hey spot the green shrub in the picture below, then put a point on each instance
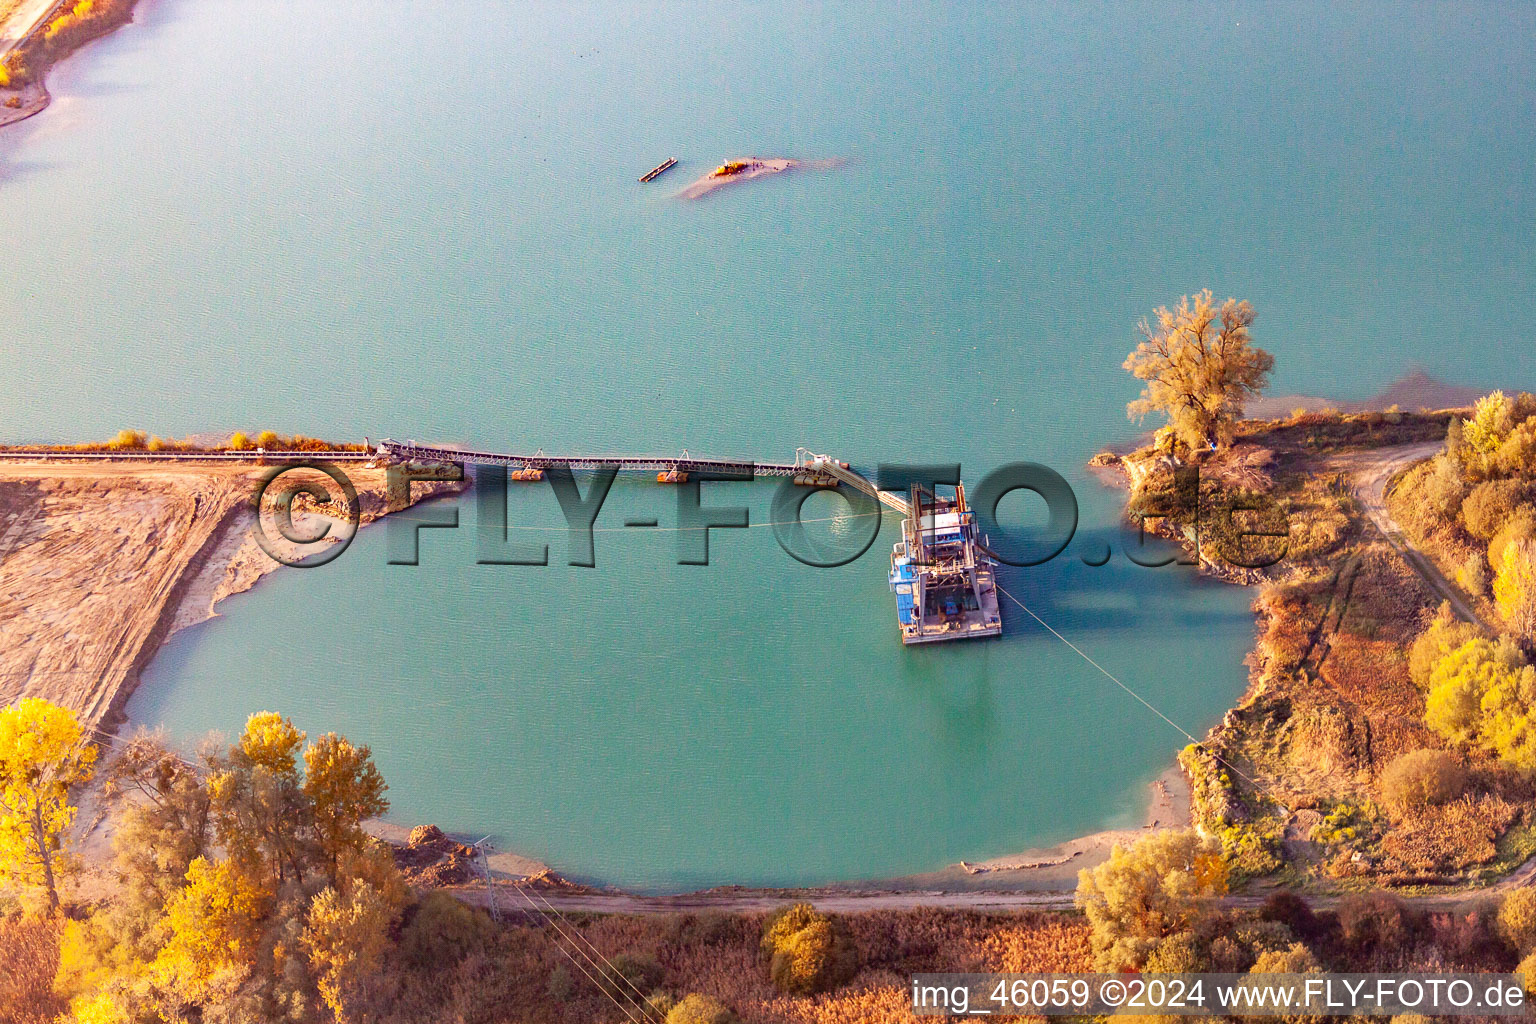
(707, 928)
(1181, 953)
(559, 985)
(1235, 950)
(697, 1009)
(1292, 911)
(1474, 576)
(18, 68)
(1373, 922)
(1492, 419)
(443, 931)
(1348, 826)
(1422, 778)
(1261, 937)
(783, 923)
(807, 951)
(1517, 455)
(1490, 506)
(1157, 887)
(1296, 959)
(1527, 972)
(1441, 489)
(1251, 849)
(1473, 690)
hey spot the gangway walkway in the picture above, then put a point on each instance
(410, 451)
(839, 471)
(808, 467)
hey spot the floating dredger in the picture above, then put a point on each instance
(944, 581)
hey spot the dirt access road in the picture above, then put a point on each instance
(541, 899)
(1372, 472)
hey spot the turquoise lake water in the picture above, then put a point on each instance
(361, 218)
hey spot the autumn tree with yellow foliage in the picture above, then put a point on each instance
(1199, 367)
(1481, 490)
(344, 790)
(1483, 693)
(258, 801)
(43, 754)
(1147, 892)
(249, 885)
(163, 828)
(1514, 588)
(215, 926)
(346, 937)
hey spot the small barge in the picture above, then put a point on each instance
(944, 581)
(660, 169)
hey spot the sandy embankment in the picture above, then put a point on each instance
(101, 563)
(1037, 879)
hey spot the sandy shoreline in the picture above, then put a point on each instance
(1041, 879)
(31, 100)
(1056, 867)
(1040, 871)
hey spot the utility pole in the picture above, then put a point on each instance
(484, 847)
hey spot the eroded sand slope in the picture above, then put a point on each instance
(100, 563)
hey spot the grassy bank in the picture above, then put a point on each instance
(1304, 780)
